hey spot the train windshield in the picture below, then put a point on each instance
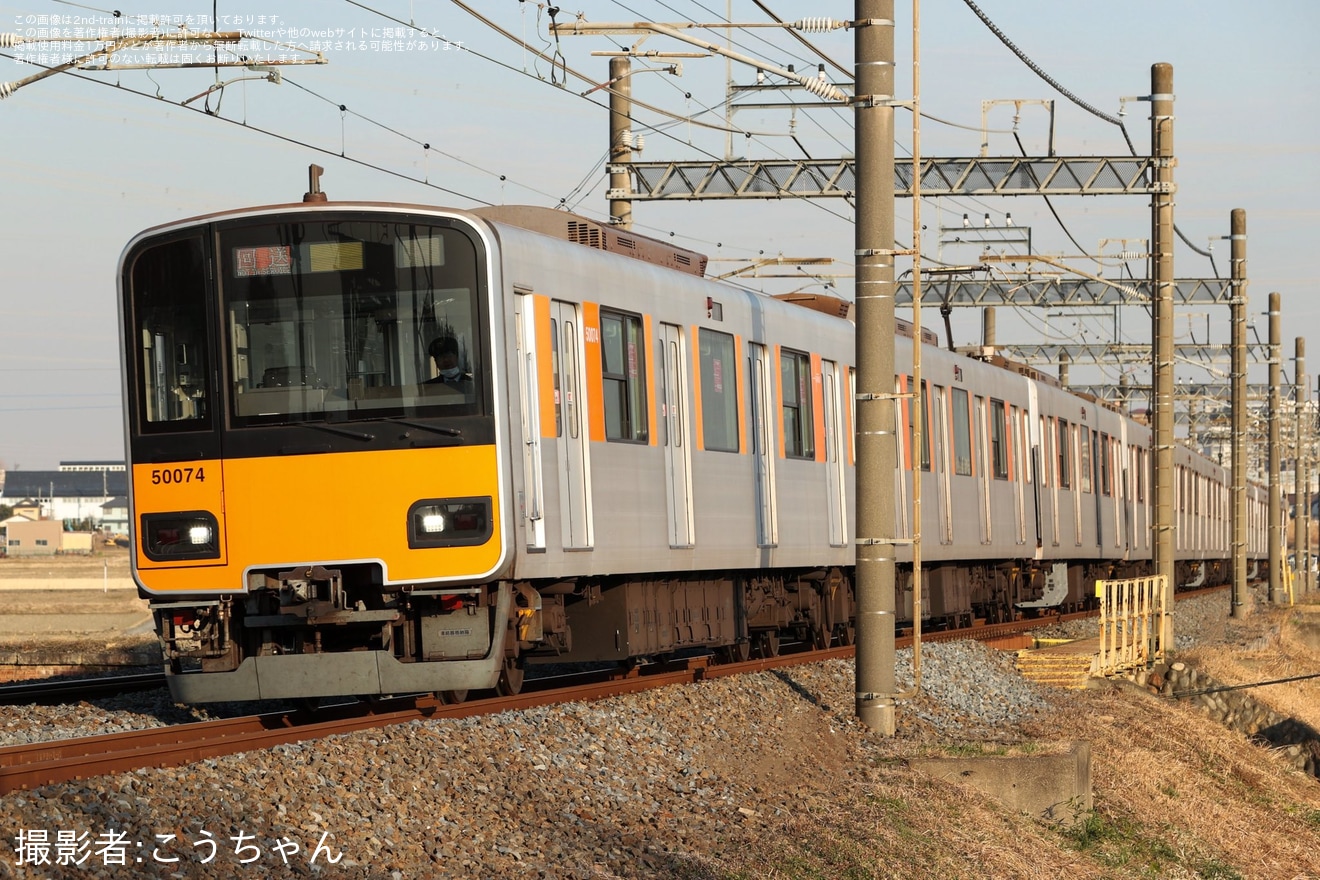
(350, 318)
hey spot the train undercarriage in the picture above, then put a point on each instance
(313, 631)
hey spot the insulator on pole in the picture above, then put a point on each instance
(6, 89)
(9, 41)
(818, 25)
(820, 88)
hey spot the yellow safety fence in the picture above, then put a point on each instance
(1132, 616)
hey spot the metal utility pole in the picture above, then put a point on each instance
(1300, 390)
(1238, 416)
(877, 456)
(620, 193)
(1161, 142)
(1276, 506)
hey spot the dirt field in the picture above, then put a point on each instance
(110, 561)
(59, 600)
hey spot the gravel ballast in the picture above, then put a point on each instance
(674, 782)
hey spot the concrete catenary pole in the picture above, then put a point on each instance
(1276, 505)
(1065, 360)
(1238, 404)
(1161, 142)
(1299, 469)
(1304, 429)
(877, 455)
(988, 328)
(620, 142)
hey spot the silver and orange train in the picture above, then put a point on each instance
(385, 448)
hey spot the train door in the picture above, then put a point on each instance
(763, 448)
(533, 499)
(1082, 473)
(1097, 463)
(677, 435)
(1018, 472)
(943, 493)
(1035, 446)
(834, 477)
(570, 419)
(983, 460)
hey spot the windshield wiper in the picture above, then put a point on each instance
(343, 432)
(434, 429)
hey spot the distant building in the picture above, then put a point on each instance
(41, 538)
(28, 509)
(114, 515)
(75, 492)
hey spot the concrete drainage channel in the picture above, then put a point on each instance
(1235, 709)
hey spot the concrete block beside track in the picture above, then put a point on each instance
(1055, 788)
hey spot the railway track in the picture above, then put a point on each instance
(36, 764)
(66, 690)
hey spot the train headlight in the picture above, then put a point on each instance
(191, 534)
(450, 522)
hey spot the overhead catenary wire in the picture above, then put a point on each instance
(1057, 86)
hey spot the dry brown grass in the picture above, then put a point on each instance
(1282, 650)
(1210, 795)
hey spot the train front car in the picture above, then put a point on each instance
(317, 472)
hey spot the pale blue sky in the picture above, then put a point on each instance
(86, 166)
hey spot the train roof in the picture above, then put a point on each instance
(600, 236)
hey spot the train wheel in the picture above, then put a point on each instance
(738, 652)
(767, 644)
(821, 636)
(846, 633)
(511, 679)
(449, 697)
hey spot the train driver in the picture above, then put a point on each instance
(444, 351)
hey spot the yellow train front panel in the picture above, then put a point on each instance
(280, 512)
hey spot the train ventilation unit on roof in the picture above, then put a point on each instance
(598, 236)
(583, 233)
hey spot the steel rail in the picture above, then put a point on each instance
(66, 689)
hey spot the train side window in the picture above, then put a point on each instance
(998, 442)
(554, 373)
(622, 366)
(1084, 459)
(1065, 462)
(719, 391)
(1105, 452)
(795, 391)
(962, 434)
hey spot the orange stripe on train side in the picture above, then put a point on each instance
(545, 376)
(652, 431)
(818, 407)
(593, 368)
(699, 435)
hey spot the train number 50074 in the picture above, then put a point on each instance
(167, 476)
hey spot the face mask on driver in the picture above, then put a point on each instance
(450, 374)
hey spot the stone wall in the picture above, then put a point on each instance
(1298, 742)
